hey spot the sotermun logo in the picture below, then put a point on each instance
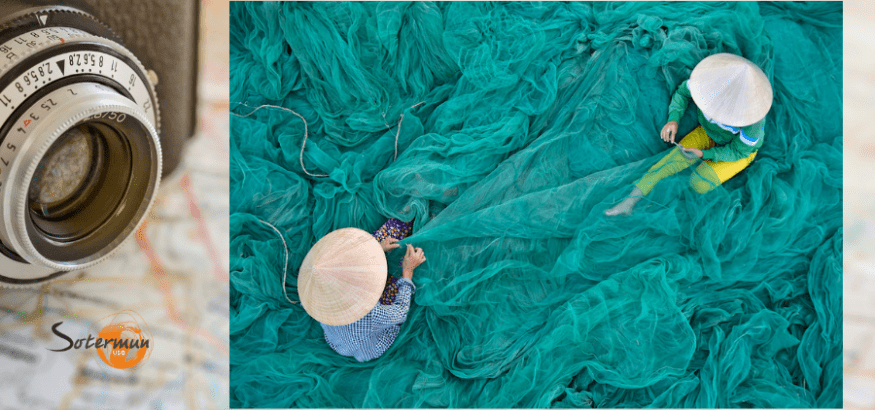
(121, 343)
(119, 347)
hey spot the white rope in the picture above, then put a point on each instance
(305, 131)
(285, 246)
(304, 144)
(286, 260)
(399, 130)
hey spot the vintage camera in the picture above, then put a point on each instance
(82, 141)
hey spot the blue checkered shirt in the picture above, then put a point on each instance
(371, 336)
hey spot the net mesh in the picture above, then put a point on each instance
(535, 119)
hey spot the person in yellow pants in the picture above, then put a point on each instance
(703, 180)
(732, 97)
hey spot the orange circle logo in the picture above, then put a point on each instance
(126, 343)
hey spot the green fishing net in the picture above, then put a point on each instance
(534, 119)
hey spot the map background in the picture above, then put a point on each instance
(859, 207)
(173, 272)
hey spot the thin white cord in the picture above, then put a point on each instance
(397, 134)
(399, 130)
(305, 131)
(286, 261)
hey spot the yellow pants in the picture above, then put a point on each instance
(704, 179)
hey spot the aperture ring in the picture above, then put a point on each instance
(63, 63)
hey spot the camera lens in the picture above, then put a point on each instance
(88, 170)
(80, 157)
(90, 188)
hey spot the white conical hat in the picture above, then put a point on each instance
(731, 89)
(342, 277)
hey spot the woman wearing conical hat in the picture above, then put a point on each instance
(344, 284)
(732, 97)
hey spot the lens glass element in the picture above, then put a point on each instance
(63, 177)
(72, 192)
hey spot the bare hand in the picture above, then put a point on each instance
(669, 131)
(389, 243)
(412, 259)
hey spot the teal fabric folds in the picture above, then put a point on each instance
(534, 119)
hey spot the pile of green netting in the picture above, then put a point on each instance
(536, 118)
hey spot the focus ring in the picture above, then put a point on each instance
(30, 18)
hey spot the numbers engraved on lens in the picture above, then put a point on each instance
(10, 149)
(112, 116)
(26, 122)
(7, 52)
(16, 47)
(51, 34)
(42, 72)
(48, 104)
(23, 40)
(86, 61)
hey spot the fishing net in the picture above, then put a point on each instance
(516, 125)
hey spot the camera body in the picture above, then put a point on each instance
(97, 98)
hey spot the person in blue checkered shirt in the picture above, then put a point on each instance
(370, 336)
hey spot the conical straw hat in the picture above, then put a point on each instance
(342, 277)
(731, 89)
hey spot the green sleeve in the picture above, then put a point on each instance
(679, 102)
(737, 149)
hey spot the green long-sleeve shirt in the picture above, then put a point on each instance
(734, 143)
